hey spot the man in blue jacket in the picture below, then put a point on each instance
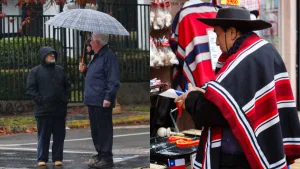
(100, 90)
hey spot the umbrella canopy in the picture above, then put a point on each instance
(88, 20)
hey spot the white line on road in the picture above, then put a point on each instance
(72, 140)
(132, 127)
(12, 168)
(12, 145)
(116, 160)
(34, 150)
(25, 159)
(65, 150)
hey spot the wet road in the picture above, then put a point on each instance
(131, 149)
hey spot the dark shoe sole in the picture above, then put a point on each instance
(92, 164)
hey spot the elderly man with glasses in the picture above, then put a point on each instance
(101, 86)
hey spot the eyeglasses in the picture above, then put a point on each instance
(51, 55)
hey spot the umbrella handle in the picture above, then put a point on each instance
(83, 53)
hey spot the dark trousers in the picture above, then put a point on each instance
(101, 130)
(233, 161)
(47, 126)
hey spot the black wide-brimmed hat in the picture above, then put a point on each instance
(236, 17)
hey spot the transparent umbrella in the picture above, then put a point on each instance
(88, 20)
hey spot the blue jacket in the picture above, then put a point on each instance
(102, 78)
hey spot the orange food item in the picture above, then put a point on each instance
(184, 143)
(173, 139)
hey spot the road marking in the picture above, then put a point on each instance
(25, 159)
(12, 168)
(12, 145)
(72, 140)
(34, 150)
(132, 127)
(8, 153)
(65, 151)
(116, 160)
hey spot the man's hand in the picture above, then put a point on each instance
(106, 103)
(82, 67)
(194, 88)
(89, 49)
(181, 99)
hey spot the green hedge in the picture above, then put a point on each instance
(134, 65)
(17, 56)
(23, 51)
(13, 84)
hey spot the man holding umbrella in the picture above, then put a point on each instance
(101, 86)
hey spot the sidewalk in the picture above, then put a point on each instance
(128, 117)
(27, 124)
(78, 115)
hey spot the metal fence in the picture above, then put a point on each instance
(19, 46)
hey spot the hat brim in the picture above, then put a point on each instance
(249, 25)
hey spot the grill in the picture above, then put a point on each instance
(161, 150)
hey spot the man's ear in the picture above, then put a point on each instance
(233, 32)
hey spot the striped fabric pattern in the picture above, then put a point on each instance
(260, 108)
(189, 41)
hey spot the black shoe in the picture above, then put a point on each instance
(94, 160)
(95, 157)
(104, 163)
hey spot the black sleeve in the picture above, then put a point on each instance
(203, 111)
(84, 74)
(91, 52)
(32, 88)
(67, 88)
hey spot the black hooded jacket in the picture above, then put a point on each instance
(49, 87)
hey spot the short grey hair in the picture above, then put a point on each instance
(102, 38)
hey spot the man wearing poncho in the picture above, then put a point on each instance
(247, 112)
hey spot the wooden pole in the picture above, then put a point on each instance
(83, 53)
(84, 46)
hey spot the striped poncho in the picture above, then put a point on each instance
(253, 92)
(189, 41)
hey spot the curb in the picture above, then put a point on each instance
(74, 124)
(116, 121)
